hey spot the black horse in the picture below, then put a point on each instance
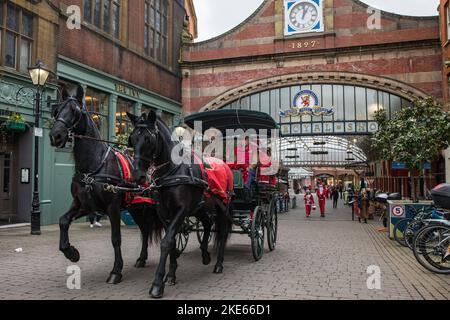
(181, 189)
(96, 166)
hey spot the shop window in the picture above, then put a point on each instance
(123, 124)
(103, 14)
(97, 104)
(16, 36)
(156, 31)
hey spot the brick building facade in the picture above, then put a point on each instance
(399, 57)
(124, 52)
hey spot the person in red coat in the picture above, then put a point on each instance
(309, 202)
(322, 197)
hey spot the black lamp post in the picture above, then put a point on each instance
(39, 76)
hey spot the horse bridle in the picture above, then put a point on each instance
(154, 132)
(78, 110)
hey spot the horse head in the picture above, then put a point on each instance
(144, 140)
(67, 115)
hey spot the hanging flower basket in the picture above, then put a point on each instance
(16, 123)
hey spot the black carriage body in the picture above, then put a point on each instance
(441, 196)
(254, 208)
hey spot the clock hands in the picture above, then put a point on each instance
(305, 11)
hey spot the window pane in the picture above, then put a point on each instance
(97, 104)
(27, 24)
(265, 102)
(164, 50)
(146, 13)
(12, 20)
(10, 50)
(25, 50)
(317, 89)
(106, 15)
(157, 46)
(152, 43)
(349, 92)
(158, 21)
(165, 8)
(122, 122)
(157, 4)
(152, 17)
(338, 98)
(372, 103)
(146, 40)
(396, 103)
(116, 20)
(1, 12)
(327, 100)
(164, 26)
(88, 10)
(361, 104)
(97, 10)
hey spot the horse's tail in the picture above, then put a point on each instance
(223, 224)
(156, 227)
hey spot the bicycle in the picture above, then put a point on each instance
(432, 246)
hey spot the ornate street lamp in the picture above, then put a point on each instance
(39, 76)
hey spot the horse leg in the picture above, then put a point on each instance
(116, 274)
(207, 226)
(65, 221)
(171, 277)
(167, 246)
(138, 214)
(223, 231)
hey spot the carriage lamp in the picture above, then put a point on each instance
(39, 76)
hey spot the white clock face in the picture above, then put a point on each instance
(303, 16)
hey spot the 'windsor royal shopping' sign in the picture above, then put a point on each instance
(306, 103)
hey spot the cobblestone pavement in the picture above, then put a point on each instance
(315, 259)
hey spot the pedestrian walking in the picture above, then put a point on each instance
(309, 203)
(94, 219)
(363, 204)
(335, 198)
(322, 198)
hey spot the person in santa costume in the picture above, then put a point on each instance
(322, 197)
(309, 202)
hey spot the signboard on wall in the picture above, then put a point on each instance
(303, 16)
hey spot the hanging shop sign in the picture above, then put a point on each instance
(306, 103)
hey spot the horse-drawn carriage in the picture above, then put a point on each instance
(254, 208)
(104, 179)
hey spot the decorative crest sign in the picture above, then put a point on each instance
(306, 103)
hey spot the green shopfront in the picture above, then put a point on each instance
(108, 99)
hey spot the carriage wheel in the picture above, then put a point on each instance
(200, 233)
(183, 236)
(272, 225)
(181, 240)
(257, 233)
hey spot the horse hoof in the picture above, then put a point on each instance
(157, 292)
(170, 280)
(140, 264)
(218, 269)
(206, 257)
(72, 254)
(114, 278)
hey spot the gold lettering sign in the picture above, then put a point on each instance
(127, 91)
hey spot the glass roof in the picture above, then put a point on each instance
(325, 151)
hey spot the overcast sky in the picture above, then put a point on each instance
(218, 16)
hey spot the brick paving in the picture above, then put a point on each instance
(315, 259)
